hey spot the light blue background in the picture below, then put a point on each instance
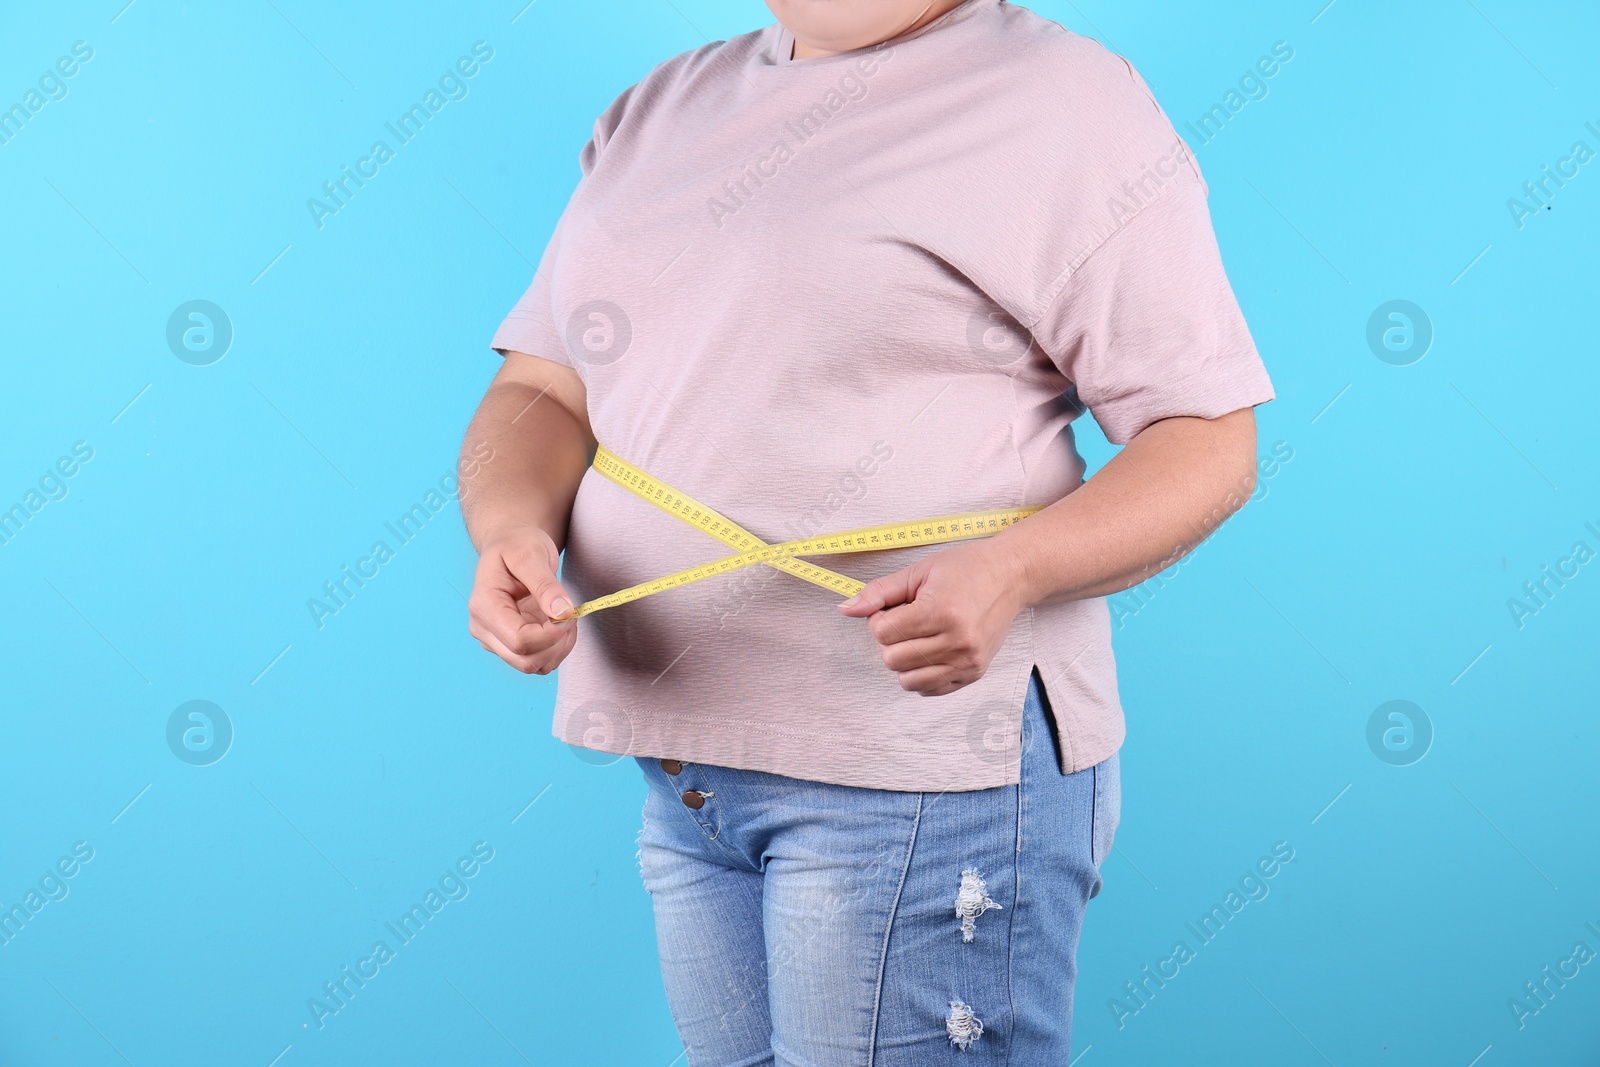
(370, 754)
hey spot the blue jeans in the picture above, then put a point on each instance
(815, 925)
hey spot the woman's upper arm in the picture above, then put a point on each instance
(553, 381)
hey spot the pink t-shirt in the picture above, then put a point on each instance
(863, 288)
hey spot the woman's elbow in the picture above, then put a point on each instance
(1235, 449)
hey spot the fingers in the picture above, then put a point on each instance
(494, 611)
(934, 681)
(519, 611)
(907, 622)
(933, 647)
(542, 662)
(925, 652)
(534, 565)
(897, 588)
(932, 666)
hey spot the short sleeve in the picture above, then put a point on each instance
(530, 326)
(1147, 326)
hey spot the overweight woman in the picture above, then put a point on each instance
(862, 268)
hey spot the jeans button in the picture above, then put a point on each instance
(671, 766)
(694, 799)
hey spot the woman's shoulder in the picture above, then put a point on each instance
(712, 60)
(1030, 38)
(671, 79)
(675, 76)
(1073, 89)
(1048, 59)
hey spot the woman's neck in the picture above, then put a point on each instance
(933, 10)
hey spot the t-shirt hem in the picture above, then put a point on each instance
(855, 762)
(1182, 399)
(832, 773)
(531, 334)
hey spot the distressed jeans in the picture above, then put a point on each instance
(813, 925)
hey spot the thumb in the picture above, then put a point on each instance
(538, 576)
(553, 599)
(897, 588)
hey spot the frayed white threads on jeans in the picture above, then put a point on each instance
(963, 1027)
(972, 900)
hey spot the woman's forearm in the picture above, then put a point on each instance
(540, 452)
(1158, 498)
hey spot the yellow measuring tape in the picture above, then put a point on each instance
(750, 549)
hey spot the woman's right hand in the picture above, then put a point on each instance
(518, 609)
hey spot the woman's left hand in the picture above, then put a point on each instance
(940, 621)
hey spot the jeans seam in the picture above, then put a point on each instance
(1016, 860)
(1094, 817)
(888, 933)
(1011, 923)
